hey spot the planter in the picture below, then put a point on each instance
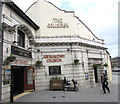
(56, 84)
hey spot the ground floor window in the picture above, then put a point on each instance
(29, 76)
(54, 70)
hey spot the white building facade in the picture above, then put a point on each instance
(63, 44)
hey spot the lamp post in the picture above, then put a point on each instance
(1, 50)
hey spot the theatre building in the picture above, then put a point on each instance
(47, 42)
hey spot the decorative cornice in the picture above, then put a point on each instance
(72, 36)
(68, 44)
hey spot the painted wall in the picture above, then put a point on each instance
(11, 19)
(44, 14)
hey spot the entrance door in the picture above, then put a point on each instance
(29, 78)
(17, 80)
(95, 73)
(21, 80)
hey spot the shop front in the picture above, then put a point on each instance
(22, 79)
(22, 73)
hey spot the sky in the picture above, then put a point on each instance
(101, 16)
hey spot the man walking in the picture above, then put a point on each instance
(105, 83)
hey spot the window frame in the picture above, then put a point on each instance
(54, 71)
(21, 38)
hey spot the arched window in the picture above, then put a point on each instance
(21, 38)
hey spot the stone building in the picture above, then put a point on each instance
(56, 38)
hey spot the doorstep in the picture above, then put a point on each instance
(22, 94)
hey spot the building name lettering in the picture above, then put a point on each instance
(23, 62)
(53, 58)
(57, 23)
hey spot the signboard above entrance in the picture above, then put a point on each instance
(20, 52)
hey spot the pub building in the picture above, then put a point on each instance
(62, 44)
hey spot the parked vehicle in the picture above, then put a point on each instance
(71, 86)
(116, 68)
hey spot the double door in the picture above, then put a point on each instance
(22, 79)
(29, 78)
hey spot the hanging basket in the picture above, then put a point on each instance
(76, 61)
(11, 58)
(105, 65)
(38, 63)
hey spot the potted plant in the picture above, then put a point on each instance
(105, 65)
(38, 63)
(76, 61)
(11, 58)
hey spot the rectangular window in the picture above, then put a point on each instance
(21, 38)
(29, 76)
(54, 70)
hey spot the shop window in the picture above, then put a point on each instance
(6, 76)
(54, 70)
(29, 76)
(21, 38)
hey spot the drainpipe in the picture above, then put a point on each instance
(1, 50)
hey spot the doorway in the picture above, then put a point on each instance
(96, 74)
(22, 79)
(17, 80)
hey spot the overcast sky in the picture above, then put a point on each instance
(101, 16)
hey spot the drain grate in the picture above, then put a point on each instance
(53, 97)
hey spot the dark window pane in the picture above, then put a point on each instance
(21, 38)
(54, 70)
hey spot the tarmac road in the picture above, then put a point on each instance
(83, 95)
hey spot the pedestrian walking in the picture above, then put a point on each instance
(74, 83)
(64, 81)
(105, 83)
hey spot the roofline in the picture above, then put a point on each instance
(15, 8)
(53, 5)
(88, 28)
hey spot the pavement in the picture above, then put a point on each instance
(83, 95)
